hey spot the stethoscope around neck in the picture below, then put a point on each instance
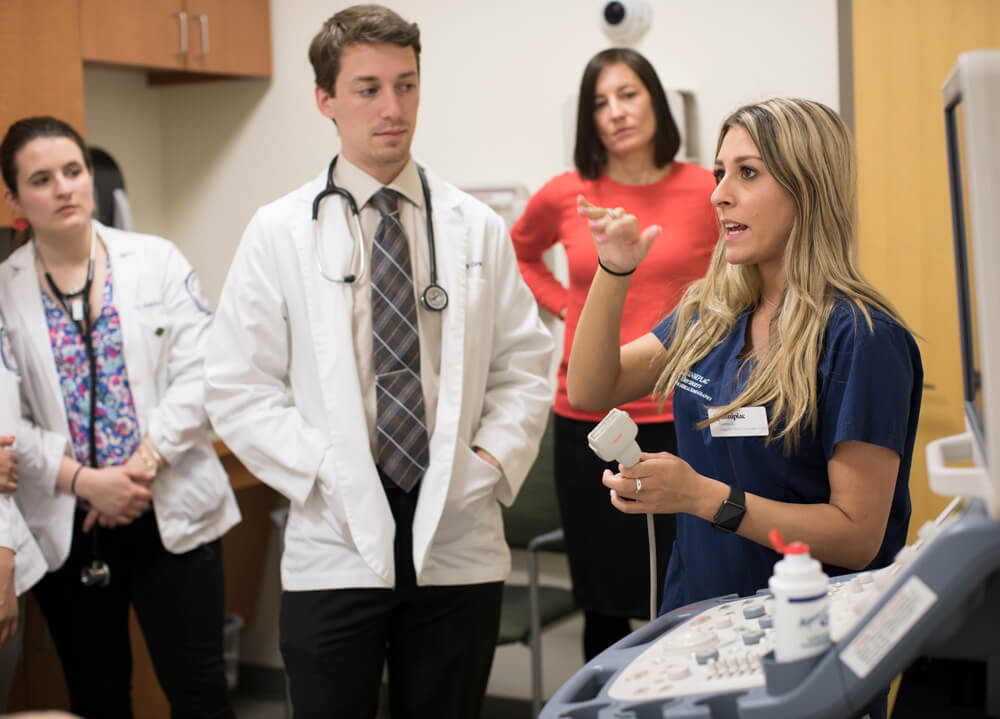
(434, 297)
(98, 572)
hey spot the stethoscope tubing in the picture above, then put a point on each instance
(434, 297)
(85, 328)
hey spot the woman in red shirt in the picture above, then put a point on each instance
(626, 140)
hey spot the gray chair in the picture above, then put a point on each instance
(531, 524)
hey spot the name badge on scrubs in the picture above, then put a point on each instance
(743, 422)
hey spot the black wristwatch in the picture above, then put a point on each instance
(727, 519)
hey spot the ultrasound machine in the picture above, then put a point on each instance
(941, 595)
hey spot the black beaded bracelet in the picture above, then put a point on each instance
(612, 272)
(72, 482)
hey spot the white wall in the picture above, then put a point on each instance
(497, 84)
(123, 117)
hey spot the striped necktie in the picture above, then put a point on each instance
(402, 446)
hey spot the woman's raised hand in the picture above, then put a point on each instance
(620, 245)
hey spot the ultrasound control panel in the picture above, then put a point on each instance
(713, 659)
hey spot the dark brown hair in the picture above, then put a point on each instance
(590, 155)
(358, 25)
(24, 131)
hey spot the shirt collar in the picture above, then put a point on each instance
(363, 186)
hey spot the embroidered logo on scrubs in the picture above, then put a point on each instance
(193, 287)
(7, 354)
(695, 384)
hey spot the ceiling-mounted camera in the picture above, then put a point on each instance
(624, 21)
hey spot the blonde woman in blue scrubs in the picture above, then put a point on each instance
(796, 384)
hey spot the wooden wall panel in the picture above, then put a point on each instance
(903, 51)
(41, 68)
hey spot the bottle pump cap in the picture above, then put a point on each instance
(779, 544)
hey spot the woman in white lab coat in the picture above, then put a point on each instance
(21, 561)
(133, 513)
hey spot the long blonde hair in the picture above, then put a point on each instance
(809, 151)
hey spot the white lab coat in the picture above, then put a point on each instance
(283, 392)
(29, 564)
(164, 320)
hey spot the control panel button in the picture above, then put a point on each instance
(753, 610)
(705, 657)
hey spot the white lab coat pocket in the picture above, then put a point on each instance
(193, 500)
(471, 499)
(196, 485)
(334, 515)
(152, 334)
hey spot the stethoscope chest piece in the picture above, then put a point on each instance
(96, 574)
(434, 297)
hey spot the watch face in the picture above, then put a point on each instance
(729, 516)
(729, 512)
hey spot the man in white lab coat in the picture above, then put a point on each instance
(386, 560)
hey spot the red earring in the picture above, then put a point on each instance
(20, 224)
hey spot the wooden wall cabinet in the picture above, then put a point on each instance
(216, 37)
(40, 68)
(147, 34)
(43, 46)
(230, 37)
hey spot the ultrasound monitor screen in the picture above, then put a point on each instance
(965, 260)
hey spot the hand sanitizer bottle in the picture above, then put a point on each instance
(801, 603)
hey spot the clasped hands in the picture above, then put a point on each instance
(118, 495)
(122, 492)
(666, 485)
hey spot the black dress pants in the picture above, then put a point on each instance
(438, 642)
(178, 600)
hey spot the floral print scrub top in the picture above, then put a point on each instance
(117, 432)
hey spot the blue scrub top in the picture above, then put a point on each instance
(869, 390)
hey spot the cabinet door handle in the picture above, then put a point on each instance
(203, 22)
(182, 23)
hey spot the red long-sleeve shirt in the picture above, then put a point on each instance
(679, 203)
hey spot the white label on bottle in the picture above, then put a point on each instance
(743, 422)
(801, 626)
(814, 622)
(888, 626)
